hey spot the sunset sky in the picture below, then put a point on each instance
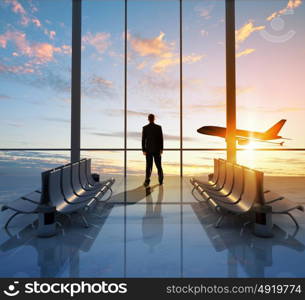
(35, 66)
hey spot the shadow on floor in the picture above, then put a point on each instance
(254, 254)
(53, 254)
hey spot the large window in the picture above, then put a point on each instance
(153, 69)
(35, 73)
(172, 63)
(203, 71)
(102, 74)
(270, 67)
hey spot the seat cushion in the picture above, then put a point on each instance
(22, 206)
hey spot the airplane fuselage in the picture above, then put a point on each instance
(221, 132)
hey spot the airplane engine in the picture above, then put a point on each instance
(243, 142)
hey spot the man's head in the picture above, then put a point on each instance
(151, 118)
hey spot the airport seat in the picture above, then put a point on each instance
(67, 189)
(232, 182)
(280, 205)
(220, 180)
(285, 207)
(213, 178)
(76, 184)
(247, 191)
(228, 184)
(62, 189)
(89, 173)
(249, 198)
(83, 174)
(237, 187)
(28, 204)
(66, 202)
(32, 197)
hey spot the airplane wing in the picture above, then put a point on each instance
(243, 141)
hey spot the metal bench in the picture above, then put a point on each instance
(61, 189)
(66, 202)
(221, 177)
(243, 192)
(86, 181)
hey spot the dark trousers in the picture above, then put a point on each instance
(150, 157)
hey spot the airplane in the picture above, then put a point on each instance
(244, 137)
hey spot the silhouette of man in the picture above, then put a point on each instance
(152, 147)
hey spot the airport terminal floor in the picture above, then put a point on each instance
(157, 232)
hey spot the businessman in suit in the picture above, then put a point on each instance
(152, 147)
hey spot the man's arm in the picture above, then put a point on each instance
(161, 139)
(143, 140)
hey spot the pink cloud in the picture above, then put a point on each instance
(66, 49)
(291, 5)
(52, 34)
(43, 52)
(17, 8)
(18, 38)
(36, 22)
(22, 69)
(100, 41)
(245, 52)
(161, 51)
(246, 31)
(151, 47)
(162, 64)
(40, 53)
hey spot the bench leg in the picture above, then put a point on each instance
(10, 219)
(287, 212)
(86, 224)
(219, 221)
(274, 200)
(293, 219)
(245, 224)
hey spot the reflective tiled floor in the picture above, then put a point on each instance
(158, 232)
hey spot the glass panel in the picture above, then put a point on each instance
(136, 175)
(200, 163)
(106, 163)
(203, 71)
(284, 171)
(276, 163)
(170, 163)
(270, 67)
(153, 68)
(35, 66)
(197, 164)
(20, 171)
(103, 74)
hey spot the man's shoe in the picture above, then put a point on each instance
(146, 183)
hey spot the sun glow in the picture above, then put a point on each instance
(251, 146)
(249, 153)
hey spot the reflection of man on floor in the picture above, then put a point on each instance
(152, 223)
(152, 147)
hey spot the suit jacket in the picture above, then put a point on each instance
(152, 138)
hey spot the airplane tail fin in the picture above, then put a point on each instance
(275, 129)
